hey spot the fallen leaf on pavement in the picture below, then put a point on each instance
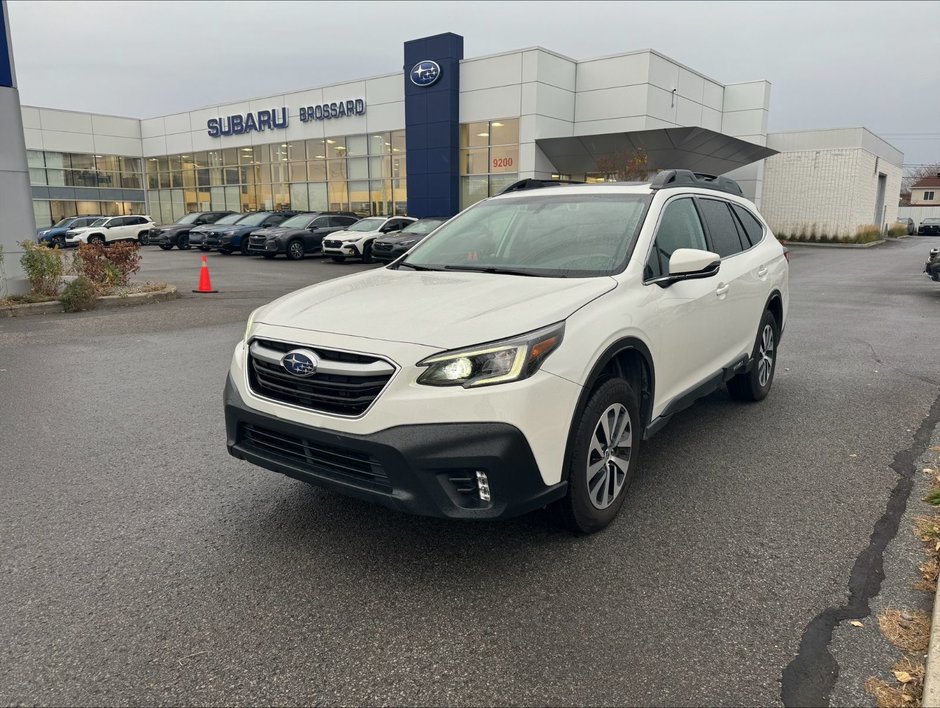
(856, 623)
(903, 676)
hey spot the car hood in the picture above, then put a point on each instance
(171, 228)
(435, 309)
(53, 232)
(272, 231)
(82, 229)
(352, 234)
(398, 238)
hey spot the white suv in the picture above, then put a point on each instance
(109, 229)
(519, 355)
(356, 241)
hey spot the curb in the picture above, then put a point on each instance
(931, 695)
(833, 245)
(108, 301)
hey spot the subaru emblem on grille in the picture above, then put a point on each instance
(300, 362)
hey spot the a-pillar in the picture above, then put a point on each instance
(17, 222)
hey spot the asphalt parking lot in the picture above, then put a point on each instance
(143, 565)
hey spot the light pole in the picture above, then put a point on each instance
(17, 222)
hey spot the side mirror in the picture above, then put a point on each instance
(689, 264)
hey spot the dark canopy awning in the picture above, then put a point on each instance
(696, 149)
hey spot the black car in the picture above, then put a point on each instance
(177, 233)
(387, 248)
(932, 266)
(929, 227)
(235, 237)
(198, 234)
(299, 235)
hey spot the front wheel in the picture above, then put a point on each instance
(182, 242)
(338, 259)
(96, 239)
(367, 253)
(143, 238)
(295, 250)
(603, 457)
(754, 385)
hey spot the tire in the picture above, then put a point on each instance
(244, 246)
(598, 480)
(754, 385)
(367, 253)
(268, 256)
(295, 250)
(97, 238)
(204, 249)
(338, 259)
(143, 238)
(58, 242)
(166, 246)
(182, 242)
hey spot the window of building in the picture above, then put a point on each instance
(489, 158)
(928, 196)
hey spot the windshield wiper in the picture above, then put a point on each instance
(413, 266)
(500, 271)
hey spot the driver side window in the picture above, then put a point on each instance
(679, 227)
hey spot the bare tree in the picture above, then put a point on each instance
(624, 165)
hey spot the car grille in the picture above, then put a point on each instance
(155, 232)
(256, 241)
(345, 383)
(381, 246)
(332, 244)
(335, 463)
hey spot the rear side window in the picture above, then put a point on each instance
(679, 227)
(752, 227)
(721, 227)
(117, 222)
(342, 220)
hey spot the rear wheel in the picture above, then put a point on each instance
(295, 250)
(182, 242)
(603, 457)
(143, 238)
(244, 246)
(338, 259)
(97, 238)
(754, 385)
(58, 242)
(367, 253)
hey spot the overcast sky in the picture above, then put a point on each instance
(842, 64)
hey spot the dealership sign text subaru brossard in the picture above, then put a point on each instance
(260, 121)
(425, 73)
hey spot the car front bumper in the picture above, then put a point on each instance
(428, 469)
(345, 249)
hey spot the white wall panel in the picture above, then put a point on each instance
(201, 141)
(555, 102)
(613, 125)
(152, 127)
(388, 89)
(118, 127)
(626, 70)
(305, 99)
(33, 138)
(688, 112)
(530, 65)
(385, 116)
(156, 146)
(557, 71)
(65, 121)
(711, 119)
(59, 141)
(611, 103)
(752, 122)
(487, 104)
(713, 96)
(662, 104)
(663, 73)
(487, 73)
(345, 92)
(177, 123)
(691, 85)
(528, 98)
(747, 96)
(272, 103)
(30, 117)
(179, 143)
(547, 127)
(115, 145)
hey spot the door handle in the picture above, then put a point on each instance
(722, 289)
(762, 272)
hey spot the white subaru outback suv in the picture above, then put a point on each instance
(518, 356)
(109, 229)
(356, 240)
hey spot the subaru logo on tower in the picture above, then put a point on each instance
(300, 362)
(425, 73)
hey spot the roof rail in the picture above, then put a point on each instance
(687, 178)
(525, 184)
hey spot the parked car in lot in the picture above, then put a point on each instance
(235, 237)
(177, 233)
(929, 226)
(356, 241)
(932, 266)
(198, 234)
(109, 229)
(559, 326)
(55, 235)
(388, 248)
(908, 223)
(299, 235)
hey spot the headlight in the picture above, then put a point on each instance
(408, 244)
(493, 363)
(251, 321)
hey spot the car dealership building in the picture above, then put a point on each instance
(446, 131)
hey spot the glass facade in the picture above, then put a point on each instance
(101, 182)
(365, 174)
(489, 158)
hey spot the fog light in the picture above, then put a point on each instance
(483, 486)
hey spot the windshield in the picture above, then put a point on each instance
(931, 221)
(189, 218)
(420, 228)
(65, 222)
(373, 224)
(230, 219)
(301, 221)
(254, 219)
(98, 222)
(572, 235)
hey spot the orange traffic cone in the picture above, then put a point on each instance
(205, 284)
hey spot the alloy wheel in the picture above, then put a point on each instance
(608, 463)
(765, 356)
